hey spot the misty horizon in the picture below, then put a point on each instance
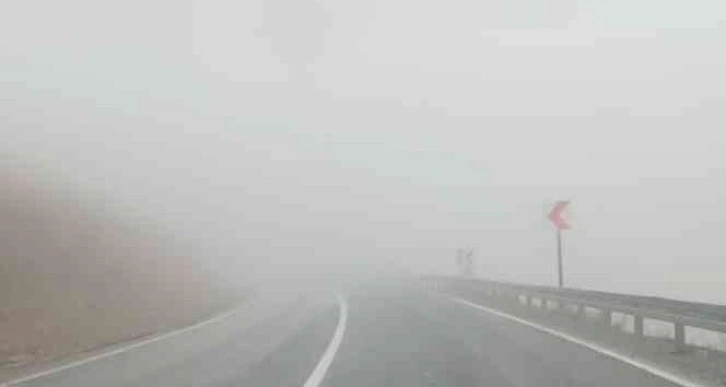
(373, 145)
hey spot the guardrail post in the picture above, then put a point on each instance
(638, 325)
(582, 311)
(607, 317)
(680, 336)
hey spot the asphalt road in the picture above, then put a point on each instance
(394, 335)
(402, 337)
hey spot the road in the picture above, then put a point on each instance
(392, 335)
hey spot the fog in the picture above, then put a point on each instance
(320, 139)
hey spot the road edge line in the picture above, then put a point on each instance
(669, 376)
(117, 351)
(316, 377)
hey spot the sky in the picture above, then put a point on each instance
(337, 137)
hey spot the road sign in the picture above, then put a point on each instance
(465, 260)
(556, 216)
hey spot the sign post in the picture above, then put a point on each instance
(560, 280)
(465, 260)
(556, 217)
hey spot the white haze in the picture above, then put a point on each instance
(342, 137)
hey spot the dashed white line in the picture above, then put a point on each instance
(117, 351)
(651, 369)
(316, 377)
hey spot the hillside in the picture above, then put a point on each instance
(74, 276)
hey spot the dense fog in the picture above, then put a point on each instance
(275, 141)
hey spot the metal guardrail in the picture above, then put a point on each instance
(580, 300)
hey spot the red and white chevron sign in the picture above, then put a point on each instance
(557, 215)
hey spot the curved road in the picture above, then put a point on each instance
(394, 335)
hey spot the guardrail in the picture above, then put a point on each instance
(577, 302)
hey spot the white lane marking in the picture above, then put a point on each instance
(316, 377)
(118, 350)
(667, 375)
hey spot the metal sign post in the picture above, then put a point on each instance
(465, 261)
(560, 279)
(556, 217)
